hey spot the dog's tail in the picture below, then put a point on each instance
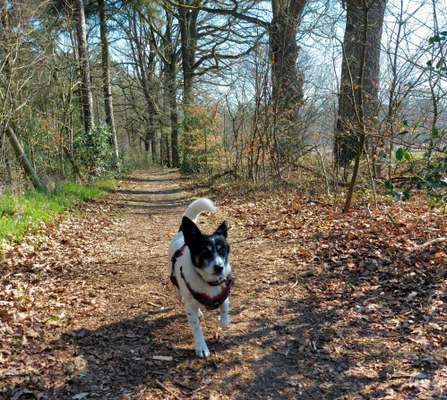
(198, 206)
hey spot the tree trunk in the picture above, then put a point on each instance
(287, 80)
(173, 116)
(188, 31)
(171, 87)
(107, 89)
(24, 160)
(152, 115)
(347, 137)
(86, 89)
(152, 144)
(188, 40)
(74, 165)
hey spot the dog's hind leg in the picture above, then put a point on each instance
(192, 311)
(224, 318)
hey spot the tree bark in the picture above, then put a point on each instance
(188, 32)
(75, 167)
(171, 87)
(347, 137)
(175, 153)
(188, 42)
(287, 80)
(86, 89)
(24, 160)
(107, 89)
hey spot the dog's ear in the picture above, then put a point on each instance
(191, 232)
(222, 230)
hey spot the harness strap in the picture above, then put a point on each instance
(210, 302)
(178, 253)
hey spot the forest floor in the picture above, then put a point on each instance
(326, 305)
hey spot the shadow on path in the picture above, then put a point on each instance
(150, 192)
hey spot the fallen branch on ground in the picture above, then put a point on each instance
(429, 243)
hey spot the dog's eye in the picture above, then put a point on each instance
(206, 253)
(221, 251)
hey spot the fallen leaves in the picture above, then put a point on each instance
(40, 293)
(383, 289)
(326, 305)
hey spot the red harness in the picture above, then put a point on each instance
(210, 302)
(178, 253)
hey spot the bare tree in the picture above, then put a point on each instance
(363, 81)
(144, 59)
(170, 59)
(10, 40)
(84, 65)
(358, 98)
(107, 88)
(287, 81)
(188, 27)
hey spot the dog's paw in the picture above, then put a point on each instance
(224, 320)
(202, 350)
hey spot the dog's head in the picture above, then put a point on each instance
(209, 253)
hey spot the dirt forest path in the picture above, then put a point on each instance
(90, 312)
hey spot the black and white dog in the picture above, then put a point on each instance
(200, 268)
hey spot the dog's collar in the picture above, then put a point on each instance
(210, 302)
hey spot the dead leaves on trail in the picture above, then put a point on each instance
(326, 306)
(368, 287)
(42, 290)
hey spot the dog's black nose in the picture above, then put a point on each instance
(218, 269)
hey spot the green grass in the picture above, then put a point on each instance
(20, 214)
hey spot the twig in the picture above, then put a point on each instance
(154, 305)
(326, 179)
(158, 294)
(184, 386)
(390, 217)
(200, 388)
(244, 240)
(399, 377)
(276, 298)
(159, 384)
(429, 243)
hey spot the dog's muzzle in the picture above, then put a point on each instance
(218, 282)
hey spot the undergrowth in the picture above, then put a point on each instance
(21, 213)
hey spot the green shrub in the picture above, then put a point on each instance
(429, 172)
(95, 151)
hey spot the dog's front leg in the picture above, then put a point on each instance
(192, 311)
(224, 318)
